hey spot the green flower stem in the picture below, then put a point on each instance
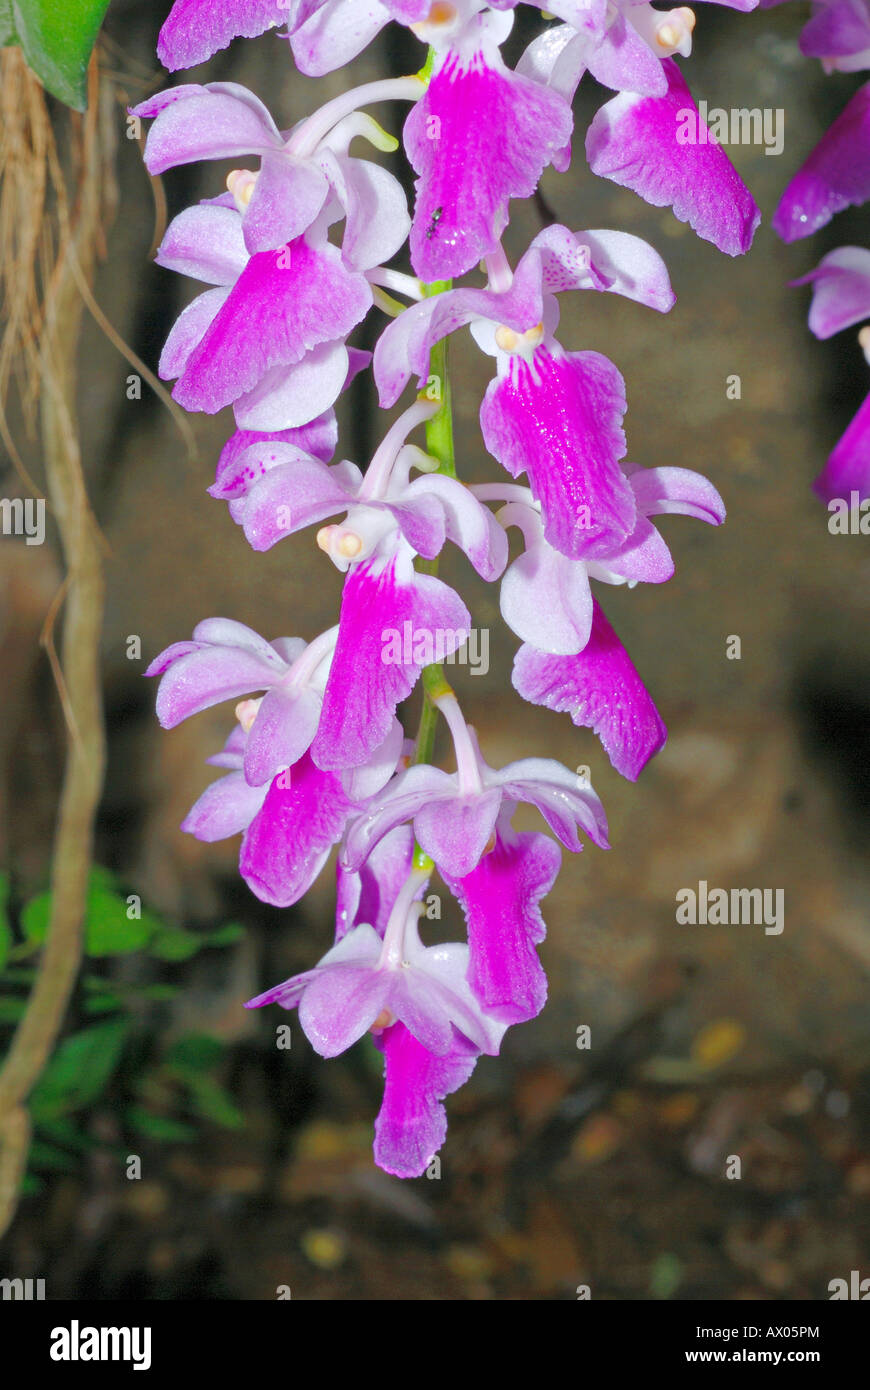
(439, 443)
(439, 430)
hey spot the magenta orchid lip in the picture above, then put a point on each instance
(295, 251)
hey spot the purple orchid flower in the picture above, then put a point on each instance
(301, 175)
(847, 471)
(623, 44)
(545, 595)
(417, 1000)
(393, 620)
(365, 980)
(226, 660)
(275, 489)
(839, 35)
(290, 824)
(571, 659)
(500, 899)
(197, 29)
(454, 814)
(624, 47)
(269, 339)
(469, 169)
(554, 415)
(601, 690)
(841, 298)
(836, 175)
(636, 141)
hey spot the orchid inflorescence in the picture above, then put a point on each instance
(835, 176)
(317, 756)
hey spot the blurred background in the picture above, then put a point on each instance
(563, 1167)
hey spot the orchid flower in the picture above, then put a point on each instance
(295, 251)
(841, 298)
(555, 415)
(289, 824)
(226, 660)
(469, 169)
(454, 814)
(301, 173)
(833, 177)
(545, 594)
(270, 338)
(634, 138)
(418, 1003)
(275, 489)
(571, 659)
(239, 344)
(836, 175)
(197, 29)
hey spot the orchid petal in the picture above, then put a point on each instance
(601, 690)
(635, 141)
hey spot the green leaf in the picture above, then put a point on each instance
(227, 935)
(5, 926)
(11, 1010)
(103, 1004)
(48, 1156)
(159, 994)
(160, 1127)
(175, 943)
(30, 1185)
(190, 1060)
(19, 975)
(80, 1070)
(212, 1102)
(7, 23)
(195, 1052)
(57, 40)
(66, 1132)
(34, 917)
(108, 929)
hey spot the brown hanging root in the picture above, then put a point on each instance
(25, 139)
(44, 308)
(35, 236)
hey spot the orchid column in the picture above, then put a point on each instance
(296, 253)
